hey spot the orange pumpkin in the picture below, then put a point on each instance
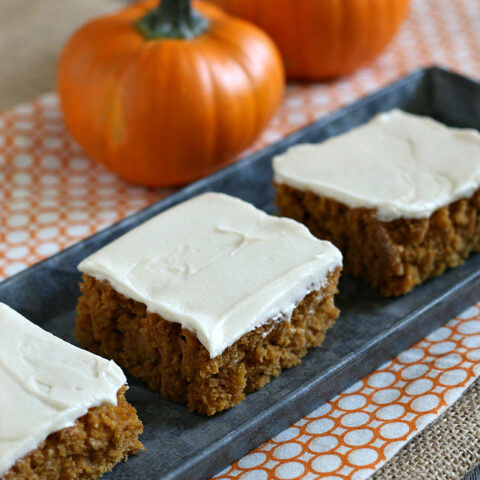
(164, 94)
(323, 38)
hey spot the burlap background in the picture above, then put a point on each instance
(32, 33)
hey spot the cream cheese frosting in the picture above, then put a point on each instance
(402, 165)
(45, 385)
(216, 265)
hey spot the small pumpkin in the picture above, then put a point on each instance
(165, 93)
(323, 38)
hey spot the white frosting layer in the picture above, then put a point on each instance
(45, 385)
(216, 265)
(403, 165)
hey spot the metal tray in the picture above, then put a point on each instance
(370, 331)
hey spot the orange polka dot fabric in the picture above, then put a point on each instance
(52, 195)
(355, 433)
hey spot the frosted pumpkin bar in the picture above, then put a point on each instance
(398, 196)
(208, 300)
(63, 412)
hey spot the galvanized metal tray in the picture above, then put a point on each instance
(370, 331)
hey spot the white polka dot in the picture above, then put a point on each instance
(79, 163)
(441, 348)
(472, 342)
(453, 394)
(17, 220)
(390, 412)
(23, 161)
(414, 371)
(381, 379)
(22, 142)
(20, 206)
(20, 193)
(79, 179)
(46, 233)
(77, 230)
(23, 125)
(2, 140)
(425, 403)
(473, 326)
(24, 108)
(320, 426)
(383, 397)
(425, 420)
(252, 460)
(52, 142)
(393, 430)
(439, 334)
(47, 249)
(469, 313)
(323, 444)
(448, 361)
(410, 356)
(22, 178)
(355, 419)
(78, 216)
(289, 450)
(50, 161)
(358, 437)
(474, 355)
(51, 191)
(78, 191)
(49, 180)
(15, 268)
(419, 387)
(453, 377)
(255, 475)
(17, 236)
(326, 463)
(289, 470)
(362, 457)
(49, 100)
(352, 402)
(48, 217)
(106, 178)
(108, 215)
(17, 252)
(297, 118)
(49, 203)
(287, 435)
(106, 191)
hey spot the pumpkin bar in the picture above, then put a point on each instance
(209, 300)
(64, 413)
(398, 196)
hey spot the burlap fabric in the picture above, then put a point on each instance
(32, 33)
(447, 450)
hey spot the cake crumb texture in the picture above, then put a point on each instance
(392, 257)
(100, 439)
(174, 362)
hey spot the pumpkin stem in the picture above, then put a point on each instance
(173, 19)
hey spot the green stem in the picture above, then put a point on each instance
(173, 19)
